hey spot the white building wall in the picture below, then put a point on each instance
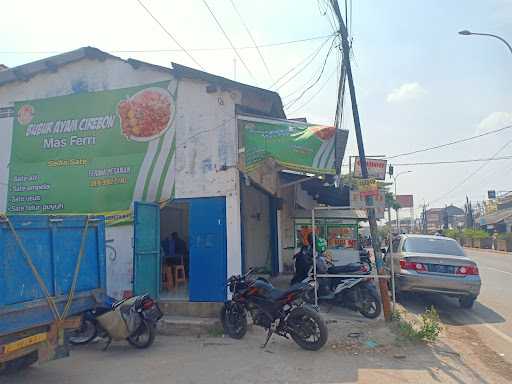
(206, 145)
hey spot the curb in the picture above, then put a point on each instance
(488, 250)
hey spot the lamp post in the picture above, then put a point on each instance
(468, 33)
(394, 182)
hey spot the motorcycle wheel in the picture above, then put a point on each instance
(308, 329)
(370, 306)
(309, 296)
(234, 320)
(144, 336)
(85, 334)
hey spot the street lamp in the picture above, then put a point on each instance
(394, 181)
(467, 33)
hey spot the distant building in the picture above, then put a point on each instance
(498, 219)
(437, 218)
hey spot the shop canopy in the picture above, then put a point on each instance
(319, 189)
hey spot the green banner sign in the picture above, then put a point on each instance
(294, 145)
(93, 152)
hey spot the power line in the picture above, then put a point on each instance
(252, 38)
(324, 84)
(454, 161)
(228, 39)
(170, 35)
(306, 61)
(317, 92)
(450, 143)
(267, 45)
(350, 27)
(301, 87)
(316, 81)
(326, 12)
(472, 173)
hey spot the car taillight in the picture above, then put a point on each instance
(148, 304)
(364, 268)
(467, 270)
(413, 266)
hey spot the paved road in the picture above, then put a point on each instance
(346, 358)
(491, 316)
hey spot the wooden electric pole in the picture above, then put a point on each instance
(386, 306)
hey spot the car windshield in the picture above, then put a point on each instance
(429, 245)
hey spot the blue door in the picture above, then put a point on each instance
(207, 243)
(146, 252)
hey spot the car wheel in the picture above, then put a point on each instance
(467, 302)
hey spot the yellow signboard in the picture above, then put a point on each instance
(365, 185)
(25, 342)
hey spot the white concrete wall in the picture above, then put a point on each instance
(256, 219)
(205, 154)
(119, 259)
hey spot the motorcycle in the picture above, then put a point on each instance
(133, 319)
(281, 312)
(364, 257)
(357, 293)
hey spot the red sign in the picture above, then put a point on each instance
(376, 168)
(369, 193)
(405, 201)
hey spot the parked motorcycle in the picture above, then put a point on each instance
(281, 312)
(357, 293)
(133, 319)
(364, 257)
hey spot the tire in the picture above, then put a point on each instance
(144, 336)
(19, 363)
(234, 320)
(85, 334)
(370, 307)
(309, 296)
(467, 302)
(300, 323)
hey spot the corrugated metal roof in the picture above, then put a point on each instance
(496, 217)
(51, 64)
(26, 71)
(179, 71)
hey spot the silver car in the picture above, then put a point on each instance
(433, 264)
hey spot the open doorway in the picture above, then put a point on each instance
(174, 240)
(256, 229)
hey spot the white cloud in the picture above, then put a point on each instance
(495, 120)
(406, 92)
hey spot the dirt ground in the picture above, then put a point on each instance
(358, 351)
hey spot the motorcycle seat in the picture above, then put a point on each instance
(341, 269)
(278, 294)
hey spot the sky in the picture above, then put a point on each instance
(418, 82)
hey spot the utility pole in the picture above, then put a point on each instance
(386, 306)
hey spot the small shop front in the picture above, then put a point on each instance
(340, 229)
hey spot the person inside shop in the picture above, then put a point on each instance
(175, 251)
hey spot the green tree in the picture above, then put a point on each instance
(391, 201)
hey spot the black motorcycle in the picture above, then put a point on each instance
(281, 312)
(364, 257)
(357, 293)
(133, 319)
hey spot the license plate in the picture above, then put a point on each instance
(441, 268)
(154, 313)
(25, 342)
